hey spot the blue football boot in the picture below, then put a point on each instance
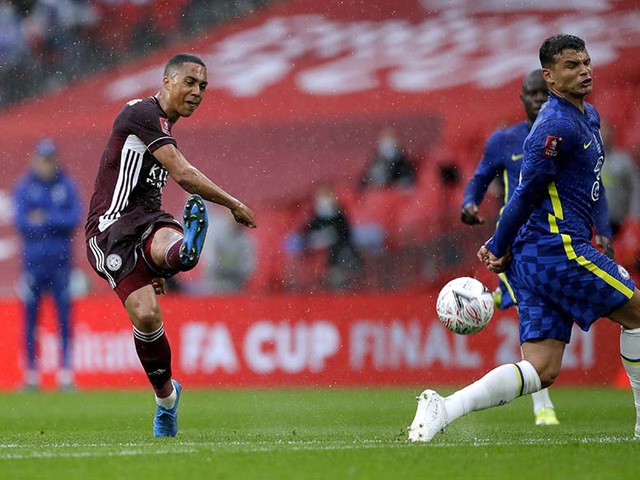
(165, 423)
(195, 224)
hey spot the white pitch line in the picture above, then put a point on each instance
(142, 449)
(89, 454)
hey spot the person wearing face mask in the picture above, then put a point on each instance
(47, 211)
(390, 165)
(330, 229)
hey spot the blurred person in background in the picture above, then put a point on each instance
(16, 58)
(58, 32)
(230, 255)
(329, 229)
(131, 242)
(47, 211)
(390, 165)
(621, 179)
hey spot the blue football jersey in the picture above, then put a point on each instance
(548, 222)
(503, 155)
(560, 179)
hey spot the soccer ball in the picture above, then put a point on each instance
(464, 306)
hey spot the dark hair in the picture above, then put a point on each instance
(181, 58)
(553, 46)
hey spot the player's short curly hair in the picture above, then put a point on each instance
(181, 58)
(553, 46)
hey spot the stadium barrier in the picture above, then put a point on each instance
(293, 341)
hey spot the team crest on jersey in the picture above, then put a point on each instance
(164, 125)
(114, 262)
(623, 272)
(552, 146)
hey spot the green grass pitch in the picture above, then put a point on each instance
(310, 434)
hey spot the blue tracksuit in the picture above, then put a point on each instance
(46, 213)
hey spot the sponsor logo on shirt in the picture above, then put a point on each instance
(516, 157)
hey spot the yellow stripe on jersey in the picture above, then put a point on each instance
(553, 225)
(568, 247)
(555, 201)
(505, 179)
(557, 209)
(611, 280)
(504, 279)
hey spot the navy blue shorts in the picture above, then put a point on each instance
(558, 285)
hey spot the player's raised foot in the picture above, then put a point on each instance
(430, 418)
(165, 423)
(195, 224)
(546, 416)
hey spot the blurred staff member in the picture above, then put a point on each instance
(622, 181)
(47, 210)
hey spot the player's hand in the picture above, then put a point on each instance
(606, 245)
(469, 215)
(243, 215)
(493, 263)
(158, 286)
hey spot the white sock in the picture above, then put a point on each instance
(498, 387)
(630, 353)
(541, 400)
(32, 378)
(168, 402)
(65, 378)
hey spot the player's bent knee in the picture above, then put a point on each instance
(548, 376)
(148, 319)
(144, 316)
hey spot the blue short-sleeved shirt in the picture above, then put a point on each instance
(557, 276)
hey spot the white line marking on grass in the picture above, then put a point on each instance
(89, 454)
(61, 450)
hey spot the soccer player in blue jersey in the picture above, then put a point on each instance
(502, 157)
(543, 243)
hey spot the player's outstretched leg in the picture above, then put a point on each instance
(195, 224)
(498, 387)
(165, 423)
(430, 418)
(630, 353)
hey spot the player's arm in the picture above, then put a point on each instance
(193, 180)
(601, 221)
(485, 172)
(28, 220)
(66, 217)
(543, 152)
(495, 254)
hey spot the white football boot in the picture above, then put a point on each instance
(430, 419)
